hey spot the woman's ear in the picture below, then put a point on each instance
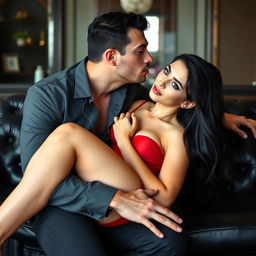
(110, 56)
(187, 104)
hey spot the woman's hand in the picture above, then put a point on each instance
(232, 122)
(125, 126)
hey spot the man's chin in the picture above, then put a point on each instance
(138, 81)
(142, 80)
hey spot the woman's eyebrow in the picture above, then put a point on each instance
(169, 68)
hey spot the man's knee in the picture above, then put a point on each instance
(173, 244)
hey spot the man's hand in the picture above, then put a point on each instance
(232, 122)
(137, 206)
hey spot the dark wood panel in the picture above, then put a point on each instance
(237, 41)
(32, 16)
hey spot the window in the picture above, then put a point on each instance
(152, 33)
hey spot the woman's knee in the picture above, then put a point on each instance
(67, 128)
(64, 132)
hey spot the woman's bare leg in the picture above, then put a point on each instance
(68, 146)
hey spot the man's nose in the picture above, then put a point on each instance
(148, 58)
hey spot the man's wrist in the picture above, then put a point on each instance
(115, 200)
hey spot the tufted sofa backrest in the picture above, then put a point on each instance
(10, 122)
(241, 107)
(239, 166)
(238, 172)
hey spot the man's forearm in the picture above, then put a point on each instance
(88, 198)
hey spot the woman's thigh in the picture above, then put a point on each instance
(97, 161)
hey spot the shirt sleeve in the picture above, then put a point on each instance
(42, 113)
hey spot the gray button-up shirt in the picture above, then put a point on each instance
(66, 97)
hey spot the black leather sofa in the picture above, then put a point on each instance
(226, 226)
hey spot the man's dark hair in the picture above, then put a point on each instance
(110, 31)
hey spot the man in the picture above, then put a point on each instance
(91, 93)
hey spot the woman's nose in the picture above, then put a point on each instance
(161, 83)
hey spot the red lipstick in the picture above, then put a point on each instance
(156, 90)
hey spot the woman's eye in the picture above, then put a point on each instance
(166, 72)
(175, 86)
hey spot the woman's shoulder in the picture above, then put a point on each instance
(176, 130)
(172, 135)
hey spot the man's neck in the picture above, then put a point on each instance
(102, 79)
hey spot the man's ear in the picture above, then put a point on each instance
(111, 56)
(187, 104)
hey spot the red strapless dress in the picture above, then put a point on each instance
(149, 151)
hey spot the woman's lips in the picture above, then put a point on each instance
(156, 90)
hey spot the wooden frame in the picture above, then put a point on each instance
(11, 63)
(212, 32)
(216, 32)
(56, 14)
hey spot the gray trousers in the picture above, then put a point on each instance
(62, 233)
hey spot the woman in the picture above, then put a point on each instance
(158, 142)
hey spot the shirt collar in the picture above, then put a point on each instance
(82, 87)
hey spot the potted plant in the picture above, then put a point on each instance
(20, 37)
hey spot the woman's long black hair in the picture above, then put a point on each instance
(203, 123)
